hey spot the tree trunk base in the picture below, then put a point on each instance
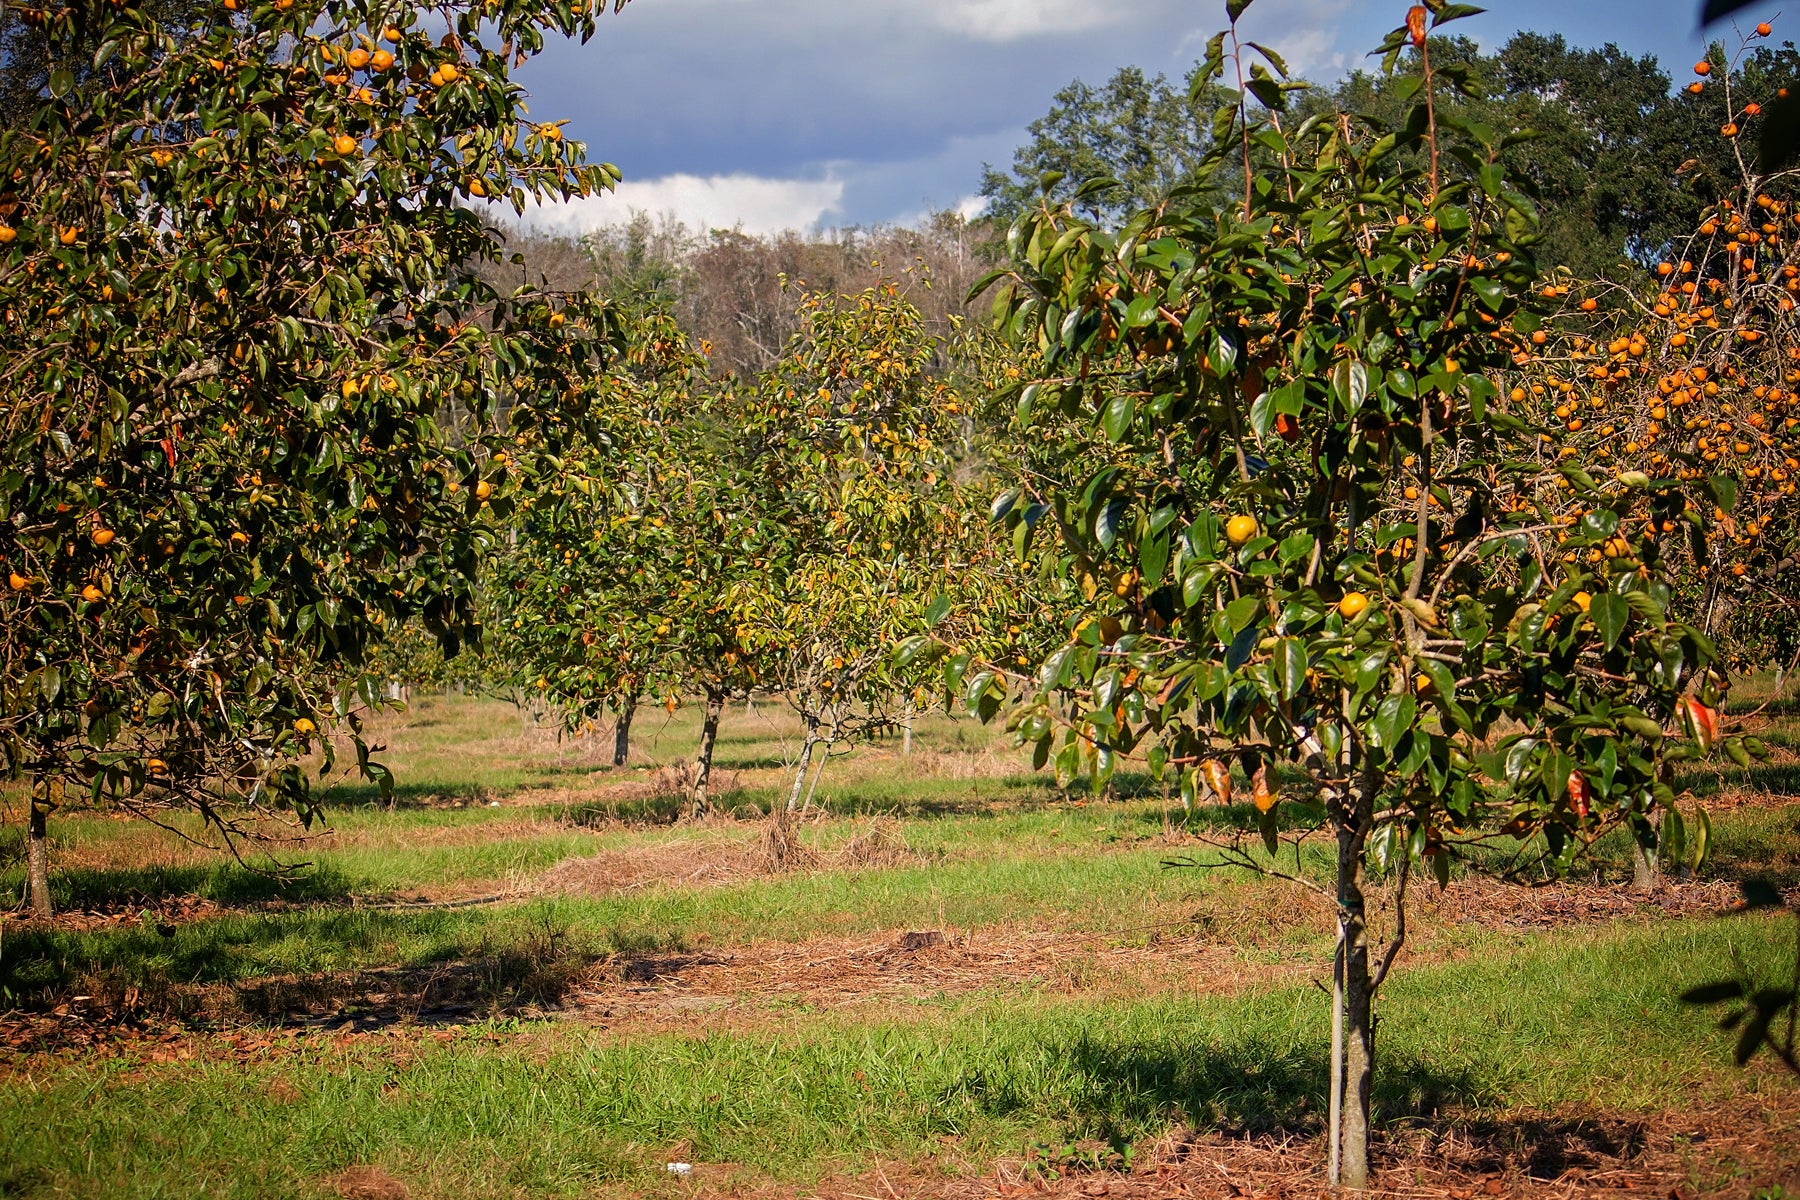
(37, 864)
(781, 847)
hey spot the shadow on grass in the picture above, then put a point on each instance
(1123, 1091)
(128, 889)
(662, 809)
(363, 794)
(1770, 779)
(450, 966)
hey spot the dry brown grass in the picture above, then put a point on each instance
(367, 1183)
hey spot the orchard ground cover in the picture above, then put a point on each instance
(527, 977)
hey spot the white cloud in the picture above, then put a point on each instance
(756, 204)
(1012, 20)
(1304, 32)
(970, 207)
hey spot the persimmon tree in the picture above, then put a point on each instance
(1695, 371)
(617, 580)
(255, 397)
(851, 445)
(1328, 540)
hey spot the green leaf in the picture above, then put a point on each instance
(1350, 382)
(1610, 615)
(1116, 417)
(1290, 666)
(1153, 559)
(1725, 491)
(938, 610)
(1392, 721)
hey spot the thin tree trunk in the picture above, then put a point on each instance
(709, 737)
(778, 845)
(1646, 866)
(817, 775)
(1336, 1099)
(37, 861)
(800, 769)
(906, 727)
(1358, 993)
(622, 730)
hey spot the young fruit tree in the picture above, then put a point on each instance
(1332, 579)
(616, 576)
(255, 393)
(850, 447)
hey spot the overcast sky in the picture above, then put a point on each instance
(775, 114)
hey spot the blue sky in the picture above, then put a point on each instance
(780, 114)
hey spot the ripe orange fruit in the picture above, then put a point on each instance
(1696, 87)
(1241, 529)
(1583, 601)
(391, 33)
(448, 73)
(1764, 29)
(17, 582)
(381, 60)
(157, 766)
(68, 235)
(1353, 605)
(344, 144)
(1590, 304)
(91, 594)
(357, 59)
(1703, 67)
(477, 188)
(303, 726)
(1728, 129)
(103, 536)
(240, 538)
(1288, 428)
(483, 490)
(7, 234)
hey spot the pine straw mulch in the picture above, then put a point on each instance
(1237, 938)
(844, 972)
(1729, 1148)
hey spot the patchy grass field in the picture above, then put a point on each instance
(527, 977)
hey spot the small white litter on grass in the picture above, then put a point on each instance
(681, 1168)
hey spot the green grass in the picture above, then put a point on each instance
(517, 1109)
(1476, 1020)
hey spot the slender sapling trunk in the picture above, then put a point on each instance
(37, 856)
(622, 730)
(709, 737)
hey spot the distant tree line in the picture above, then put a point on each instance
(1621, 163)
